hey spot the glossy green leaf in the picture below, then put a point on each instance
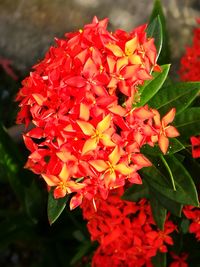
(150, 88)
(188, 123)
(160, 260)
(164, 56)
(179, 95)
(136, 192)
(159, 212)
(174, 146)
(55, 207)
(157, 178)
(154, 30)
(174, 207)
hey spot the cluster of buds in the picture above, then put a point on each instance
(81, 99)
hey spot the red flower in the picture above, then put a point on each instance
(165, 130)
(179, 261)
(193, 214)
(126, 231)
(195, 141)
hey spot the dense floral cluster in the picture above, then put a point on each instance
(126, 231)
(87, 136)
(190, 62)
(193, 214)
(189, 71)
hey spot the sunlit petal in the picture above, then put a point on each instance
(51, 180)
(84, 112)
(115, 155)
(103, 125)
(131, 46)
(99, 165)
(106, 141)
(89, 145)
(64, 174)
(86, 127)
(115, 49)
(169, 117)
(123, 169)
(163, 143)
(171, 131)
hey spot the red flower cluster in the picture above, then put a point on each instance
(190, 62)
(179, 261)
(189, 71)
(87, 135)
(193, 214)
(126, 231)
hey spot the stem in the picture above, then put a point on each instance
(169, 171)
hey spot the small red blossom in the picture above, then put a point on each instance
(179, 261)
(195, 141)
(165, 130)
(193, 214)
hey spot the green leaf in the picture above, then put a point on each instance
(35, 197)
(183, 179)
(83, 250)
(11, 163)
(179, 95)
(136, 192)
(55, 207)
(158, 179)
(188, 123)
(154, 30)
(158, 211)
(174, 207)
(160, 260)
(165, 52)
(174, 146)
(151, 87)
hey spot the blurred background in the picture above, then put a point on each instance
(28, 27)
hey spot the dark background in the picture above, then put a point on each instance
(28, 27)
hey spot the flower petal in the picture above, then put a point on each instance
(89, 145)
(114, 156)
(103, 125)
(86, 127)
(64, 174)
(75, 201)
(169, 117)
(171, 131)
(123, 169)
(99, 165)
(163, 143)
(84, 112)
(51, 180)
(106, 140)
(115, 49)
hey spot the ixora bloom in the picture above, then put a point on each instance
(126, 231)
(189, 71)
(86, 136)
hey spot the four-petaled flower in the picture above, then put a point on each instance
(165, 130)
